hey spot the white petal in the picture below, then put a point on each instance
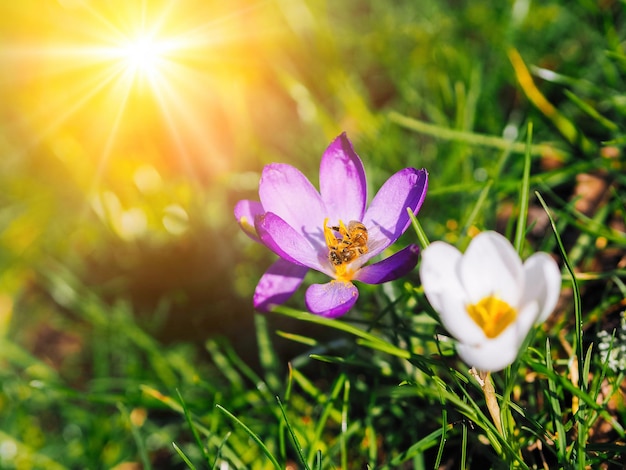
(526, 319)
(542, 283)
(491, 355)
(438, 272)
(491, 266)
(454, 317)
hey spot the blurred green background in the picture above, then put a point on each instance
(128, 131)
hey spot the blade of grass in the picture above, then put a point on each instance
(421, 235)
(591, 111)
(183, 456)
(576, 293)
(252, 435)
(582, 396)
(247, 372)
(297, 338)
(326, 412)
(172, 404)
(332, 323)
(344, 424)
(567, 129)
(469, 137)
(444, 434)
(524, 194)
(224, 365)
(194, 431)
(318, 460)
(555, 409)
(425, 443)
(267, 355)
(219, 451)
(578, 352)
(296, 442)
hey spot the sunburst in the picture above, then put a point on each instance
(116, 77)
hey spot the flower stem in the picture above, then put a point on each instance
(484, 379)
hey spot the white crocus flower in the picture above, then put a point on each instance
(487, 298)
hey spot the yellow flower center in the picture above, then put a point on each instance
(492, 315)
(345, 248)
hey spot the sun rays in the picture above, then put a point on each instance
(120, 77)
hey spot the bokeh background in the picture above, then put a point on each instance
(129, 130)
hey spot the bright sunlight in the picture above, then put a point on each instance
(144, 55)
(151, 79)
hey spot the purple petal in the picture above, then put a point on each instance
(286, 242)
(278, 283)
(331, 300)
(397, 265)
(342, 182)
(386, 218)
(286, 192)
(245, 213)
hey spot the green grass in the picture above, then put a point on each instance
(97, 373)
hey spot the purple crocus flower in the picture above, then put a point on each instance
(330, 230)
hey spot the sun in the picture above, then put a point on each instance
(108, 85)
(144, 55)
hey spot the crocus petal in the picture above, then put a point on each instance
(342, 182)
(443, 289)
(438, 273)
(386, 218)
(286, 242)
(542, 283)
(286, 192)
(397, 265)
(278, 283)
(492, 355)
(245, 213)
(491, 266)
(332, 299)
(526, 319)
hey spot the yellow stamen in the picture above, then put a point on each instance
(343, 273)
(492, 315)
(331, 240)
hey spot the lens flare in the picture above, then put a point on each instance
(143, 55)
(166, 83)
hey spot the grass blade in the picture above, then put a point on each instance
(252, 435)
(576, 289)
(194, 431)
(470, 138)
(183, 456)
(421, 235)
(524, 195)
(296, 442)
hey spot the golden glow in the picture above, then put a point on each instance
(112, 86)
(492, 315)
